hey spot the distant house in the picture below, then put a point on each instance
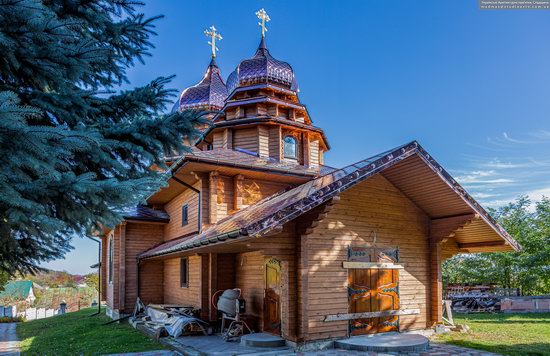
(18, 291)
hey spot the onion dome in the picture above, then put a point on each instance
(262, 68)
(209, 94)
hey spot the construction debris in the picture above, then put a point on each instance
(170, 320)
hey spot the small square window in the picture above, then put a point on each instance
(184, 272)
(184, 215)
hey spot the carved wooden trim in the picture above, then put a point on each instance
(365, 315)
(213, 211)
(371, 265)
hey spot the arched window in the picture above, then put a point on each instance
(111, 258)
(290, 147)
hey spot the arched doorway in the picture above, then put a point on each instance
(272, 296)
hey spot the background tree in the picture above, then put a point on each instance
(75, 152)
(92, 280)
(4, 278)
(529, 269)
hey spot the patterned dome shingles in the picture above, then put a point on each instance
(262, 68)
(209, 94)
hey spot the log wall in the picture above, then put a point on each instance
(173, 292)
(141, 237)
(173, 208)
(246, 139)
(372, 206)
(250, 278)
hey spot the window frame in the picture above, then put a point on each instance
(185, 215)
(295, 140)
(184, 272)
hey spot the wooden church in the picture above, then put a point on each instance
(319, 253)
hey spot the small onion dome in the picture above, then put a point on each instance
(262, 68)
(209, 94)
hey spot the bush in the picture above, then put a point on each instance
(11, 319)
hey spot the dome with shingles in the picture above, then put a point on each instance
(209, 94)
(262, 68)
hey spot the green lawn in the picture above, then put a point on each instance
(507, 334)
(79, 334)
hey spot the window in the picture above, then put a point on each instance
(111, 258)
(184, 272)
(290, 147)
(184, 215)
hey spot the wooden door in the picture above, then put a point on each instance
(373, 290)
(272, 299)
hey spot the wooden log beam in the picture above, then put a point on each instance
(371, 265)
(365, 315)
(481, 244)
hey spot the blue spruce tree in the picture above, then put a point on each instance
(75, 151)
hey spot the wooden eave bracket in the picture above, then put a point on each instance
(322, 215)
(442, 229)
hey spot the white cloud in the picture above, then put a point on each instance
(538, 194)
(541, 134)
(509, 139)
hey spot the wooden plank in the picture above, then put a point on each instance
(371, 265)
(352, 316)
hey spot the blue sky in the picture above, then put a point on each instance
(472, 86)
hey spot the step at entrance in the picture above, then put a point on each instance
(262, 340)
(386, 342)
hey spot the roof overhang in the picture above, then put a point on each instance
(187, 168)
(409, 167)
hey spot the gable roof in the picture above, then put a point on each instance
(16, 290)
(276, 210)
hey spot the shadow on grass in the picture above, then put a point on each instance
(78, 333)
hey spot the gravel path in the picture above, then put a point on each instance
(9, 346)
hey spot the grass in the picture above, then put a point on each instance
(79, 334)
(508, 334)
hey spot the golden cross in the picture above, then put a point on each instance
(262, 15)
(213, 35)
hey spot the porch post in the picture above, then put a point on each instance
(436, 282)
(205, 285)
(441, 229)
(213, 283)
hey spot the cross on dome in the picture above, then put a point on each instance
(213, 35)
(262, 15)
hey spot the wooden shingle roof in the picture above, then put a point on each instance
(274, 211)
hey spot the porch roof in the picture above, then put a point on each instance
(145, 213)
(409, 167)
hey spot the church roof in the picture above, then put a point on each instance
(245, 159)
(274, 211)
(209, 94)
(262, 68)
